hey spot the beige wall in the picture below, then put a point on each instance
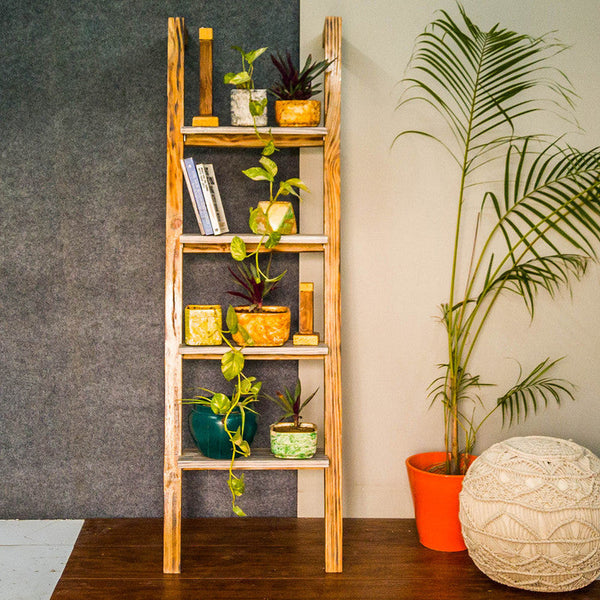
(398, 217)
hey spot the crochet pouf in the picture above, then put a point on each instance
(530, 514)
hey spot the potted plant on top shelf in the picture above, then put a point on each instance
(535, 231)
(248, 105)
(294, 106)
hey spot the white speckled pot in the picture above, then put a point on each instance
(240, 111)
(293, 444)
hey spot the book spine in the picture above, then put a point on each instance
(196, 195)
(210, 204)
(216, 196)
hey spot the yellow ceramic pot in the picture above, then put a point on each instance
(268, 327)
(203, 325)
(298, 113)
(279, 215)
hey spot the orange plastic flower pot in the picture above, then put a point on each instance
(435, 498)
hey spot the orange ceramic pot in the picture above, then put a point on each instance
(268, 327)
(435, 498)
(298, 113)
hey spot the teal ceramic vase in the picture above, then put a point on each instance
(209, 433)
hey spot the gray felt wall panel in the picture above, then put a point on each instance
(82, 184)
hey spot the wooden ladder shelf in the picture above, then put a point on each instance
(176, 459)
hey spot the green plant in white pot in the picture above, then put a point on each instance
(248, 104)
(293, 439)
(539, 216)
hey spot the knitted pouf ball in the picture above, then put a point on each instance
(530, 514)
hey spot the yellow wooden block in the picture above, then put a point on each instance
(306, 339)
(203, 325)
(205, 122)
(205, 33)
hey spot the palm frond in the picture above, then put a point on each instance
(478, 81)
(547, 273)
(532, 390)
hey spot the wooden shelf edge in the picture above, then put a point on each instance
(225, 130)
(261, 459)
(245, 137)
(286, 352)
(195, 243)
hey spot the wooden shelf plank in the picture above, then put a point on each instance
(261, 459)
(286, 352)
(290, 137)
(195, 243)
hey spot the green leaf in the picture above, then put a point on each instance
(253, 55)
(257, 174)
(246, 336)
(273, 239)
(258, 221)
(269, 148)
(238, 511)
(232, 320)
(270, 166)
(232, 364)
(257, 107)
(220, 404)
(297, 183)
(245, 386)
(238, 249)
(236, 78)
(243, 447)
(236, 484)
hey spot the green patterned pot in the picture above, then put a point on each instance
(293, 444)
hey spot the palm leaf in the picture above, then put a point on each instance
(478, 81)
(532, 390)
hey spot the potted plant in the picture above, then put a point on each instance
(292, 439)
(258, 324)
(223, 425)
(294, 107)
(248, 105)
(535, 230)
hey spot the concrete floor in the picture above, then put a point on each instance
(33, 555)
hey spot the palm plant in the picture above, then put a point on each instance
(535, 230)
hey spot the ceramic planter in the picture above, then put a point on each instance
(208, 430)
(298, 113)
(240, 108)
(203, 325)
(279, 215)
(286, 443)
(435, 498)
(268, 327)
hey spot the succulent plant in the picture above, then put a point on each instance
(295, 84)
(254, 283)
(291, 403)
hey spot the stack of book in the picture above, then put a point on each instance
(206, 199)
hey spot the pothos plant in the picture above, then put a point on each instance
(259, 217)
(245, 393)
(536, 229)
(256, 284)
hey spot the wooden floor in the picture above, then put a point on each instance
(272, 559)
